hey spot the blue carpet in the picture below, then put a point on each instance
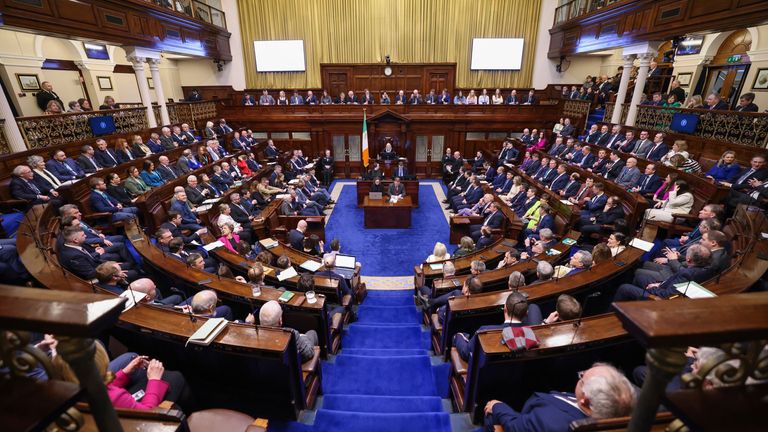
(388, 252)
(11, 222)
(383, 379)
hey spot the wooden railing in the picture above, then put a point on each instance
(195, 9)
(576, 8)
(51, 130)
(749, 129)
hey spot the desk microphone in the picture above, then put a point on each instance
(577, 324)
(253, 311)
(133, 295)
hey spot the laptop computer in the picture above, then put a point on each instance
(374, 195)
(345, 265)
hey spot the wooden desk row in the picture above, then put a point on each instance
(363, 187)
(260, 367)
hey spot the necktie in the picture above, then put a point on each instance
(109, 201)
(581, 193)
(130, 156)
(112, 157)
(169, 170)
(33, 187)
(623, 171)
(505, 184)
(488, 218)
(645, 182)
(93, 162)
(69, 168)
(745, 176)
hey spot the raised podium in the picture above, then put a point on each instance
(381, 213)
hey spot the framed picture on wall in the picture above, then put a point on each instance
(28, 82)
(761, 80)
(685, 78)
(150, 83)
(105, 82)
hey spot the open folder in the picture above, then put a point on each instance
(207, 332)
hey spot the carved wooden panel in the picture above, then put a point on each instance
(120, 22)
(699, 8)
(343, 77)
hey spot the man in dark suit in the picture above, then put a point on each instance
(173, 225)
(415, 98)
(593, 135)
(104, 155)
(493, 220)
(600, 162)
(570, 189)
(329, 263)
(567, 129)
(715, 103)
(610, 140)
(24, 188)
(196, 193)
(558, 147)
(649, 182)
(512, 99)
(87, 161)
(113, 245)
(166, 139)
(750, 186)
(561, 179)
(79, 258)
(165, 169)
(468, 198)
(583, 193)
(659, 149)
(222, 128)
(588, 159)
(530, 99)
(154, 143)
(599, 224)
(604, 135)
(613, 168)
(296, 236)
(627, 145)
(546, 176)
(400, 171)
(508, 153)
(221, 179)
(697, 269)
(517, 312)
(595, 204)
(396, 189)
(103, 203)
(431, 98)
(187, 135)
(271, 151)
(555, 411)
(64, 168)
(746, 103)
(459, 185)
(178, 137)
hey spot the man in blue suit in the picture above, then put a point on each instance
(188, 218)
(588, 159)
(64, 168)
(659, 149)
(493, 220)
(601, 222)
(101, 202)
(296, 236)
(24, 188)
(506, 185)
(649, 183)
(561, 179)
(546, 176)
(469, 197)
(601, 392)
(329, 262)
(516, 314)
(697, 260)
(715, 103)
(595, 204)
(571, 188)
(154, 143)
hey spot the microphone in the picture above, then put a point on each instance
(253, 310)
(133, 295)
(577, 324)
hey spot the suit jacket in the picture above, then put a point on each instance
(512, 100)
(627, 146)
(222, 181)
(533, 167)
(749, 108)
(23, 190)
(155, 146)
(541, 412)
(103, 203)
(593, 137)
(556, 150)
(587, 161)
(167, 173)
(296, 239)
(167, 142)
(601, 163)
(549, 175)
(760, 174)
(531, 100)
(82, 263)
(43, 183)
(494, 220)
(609, 140)
(596, 204)
(567, 130)
(396, 190)
(612, 172)
(241, 215)
(88, 165)
(643, 147)
(571, 188)
(195, 195)
(560, 181)
(609, 217)
(685, 274)
(125, 156)
(548, 221)
(271, 152)
(649, 184)
(65, 170)
(719, 106)
(474, 195)
(120, 194)
(628, 177)
(187, 216)
(176, 232)
(182, 165)
(657, 153)
(106, 158)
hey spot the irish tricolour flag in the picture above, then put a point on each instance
(365, 141)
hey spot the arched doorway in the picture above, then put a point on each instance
(725, 74)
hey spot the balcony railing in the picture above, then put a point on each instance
(51, 130)
(750, 129)
(576, 8)
(4, 147)
(195, 9)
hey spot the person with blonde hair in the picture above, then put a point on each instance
(695, 102)
(439, 253)
(726, 169)
(679, 147)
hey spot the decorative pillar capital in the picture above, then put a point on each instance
(154, 64)
(645, 58)
(136, 61)
(629, 60)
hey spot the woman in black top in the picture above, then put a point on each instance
(116, 190)
(202, 155)
(377, 186)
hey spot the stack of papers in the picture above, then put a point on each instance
(287, 274)
(133, 297)
(203, 208)
(268, 243)
(438, 266)
(693, 290)
(207, 332)
(641, 244)
(213, 245)
(310, 265)
(211, 201)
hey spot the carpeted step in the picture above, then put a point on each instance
(398, 300)
(382, 376)
(383, 404)
(395, 352)
(382, 422)
(360, 335)
(387, 314)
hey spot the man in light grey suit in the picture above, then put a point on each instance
(183, 163)
(629, 175)
(644, 145)
(271, 315)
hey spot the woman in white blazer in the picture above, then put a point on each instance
(680, 201)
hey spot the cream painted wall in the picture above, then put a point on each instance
(25, 52)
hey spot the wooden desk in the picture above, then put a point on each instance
(383, 214)
(411, 189)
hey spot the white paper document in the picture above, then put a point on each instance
(641, 244)
(287, 274)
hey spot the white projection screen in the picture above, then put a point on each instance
(496, 54)
(279, 56)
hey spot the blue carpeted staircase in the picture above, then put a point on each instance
(384, 378)
(594, 117)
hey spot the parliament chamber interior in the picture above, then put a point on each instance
(383, 215)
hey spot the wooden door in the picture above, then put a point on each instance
(339, 82)
(437, 81)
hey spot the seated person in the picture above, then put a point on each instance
(493, 219)
(580, 261)
(377, 186)
(11, 268)
(567, 308)
(388, 154)
(204, 305)
(472, 285)
(400, 170)
(329, 263)
(175, 248)
(466, 247)
(511, 257)
(485, 239)
(602, 222)
(189, 219)
(80, 258)
(544, 272)
(697, 260)
(103, 203)
(516, 310)
(64, 168)
(439, 253)
(479, 208)
(129, 374)
(601, 392)
(271, 315)
(396, 189)
(24, 188)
